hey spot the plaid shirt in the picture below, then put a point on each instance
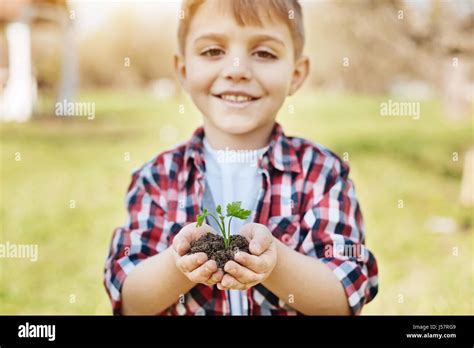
(306, 200)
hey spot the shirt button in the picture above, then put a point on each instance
(286, 238)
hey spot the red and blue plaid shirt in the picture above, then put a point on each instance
(306, 200)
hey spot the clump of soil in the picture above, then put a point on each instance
(213, 246)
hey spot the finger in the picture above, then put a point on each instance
(217, 276)
(189, 263)
(229, 282)
(257, 264)
(188, 233)
(181, 246)
(259, 237)
(204, 272)
(197, 232)
(241, 274)
(248, 231)
(180, 241)
(260, 242)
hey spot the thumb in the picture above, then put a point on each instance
(182, 246)
(259, 238)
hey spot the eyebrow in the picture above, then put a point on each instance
(257, 38)
(265, 37)
(216, 37)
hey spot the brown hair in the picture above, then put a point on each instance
(247, 12)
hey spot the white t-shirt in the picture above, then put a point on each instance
(234, 176)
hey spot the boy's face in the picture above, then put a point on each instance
(238, 76)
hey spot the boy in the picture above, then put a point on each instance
(238, 69)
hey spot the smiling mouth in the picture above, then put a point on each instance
(236, 98)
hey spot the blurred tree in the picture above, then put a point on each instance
(365, 45)
(23, 22)
(128, 51)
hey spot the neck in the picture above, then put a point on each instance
(254, 140)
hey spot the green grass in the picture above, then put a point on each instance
(391, 159)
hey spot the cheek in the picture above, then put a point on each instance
(200, 78)
(276, 80)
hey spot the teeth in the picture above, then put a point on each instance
(236, 98)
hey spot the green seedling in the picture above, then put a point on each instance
(234, 210)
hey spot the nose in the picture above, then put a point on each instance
(237, 69)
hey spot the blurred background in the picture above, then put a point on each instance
(88, 94)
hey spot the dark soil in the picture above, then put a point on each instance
(213, 246)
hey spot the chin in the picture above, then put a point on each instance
(237, 125)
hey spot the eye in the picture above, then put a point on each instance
(265, 55)
(212, 52)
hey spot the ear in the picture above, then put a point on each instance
(180, 70)
(300, 73)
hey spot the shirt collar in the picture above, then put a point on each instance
(194, 151)
(281, 152)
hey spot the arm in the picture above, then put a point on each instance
(312, 285)
(157, 282)
(142, 274)
(145, 292)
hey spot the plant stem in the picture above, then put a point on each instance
(228, 229)
(219, 225)
(226, 241)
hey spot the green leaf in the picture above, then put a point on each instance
(235, 210)
(201, 217)
(219, 209)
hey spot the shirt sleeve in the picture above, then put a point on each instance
(141, 236)
(336, 234)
